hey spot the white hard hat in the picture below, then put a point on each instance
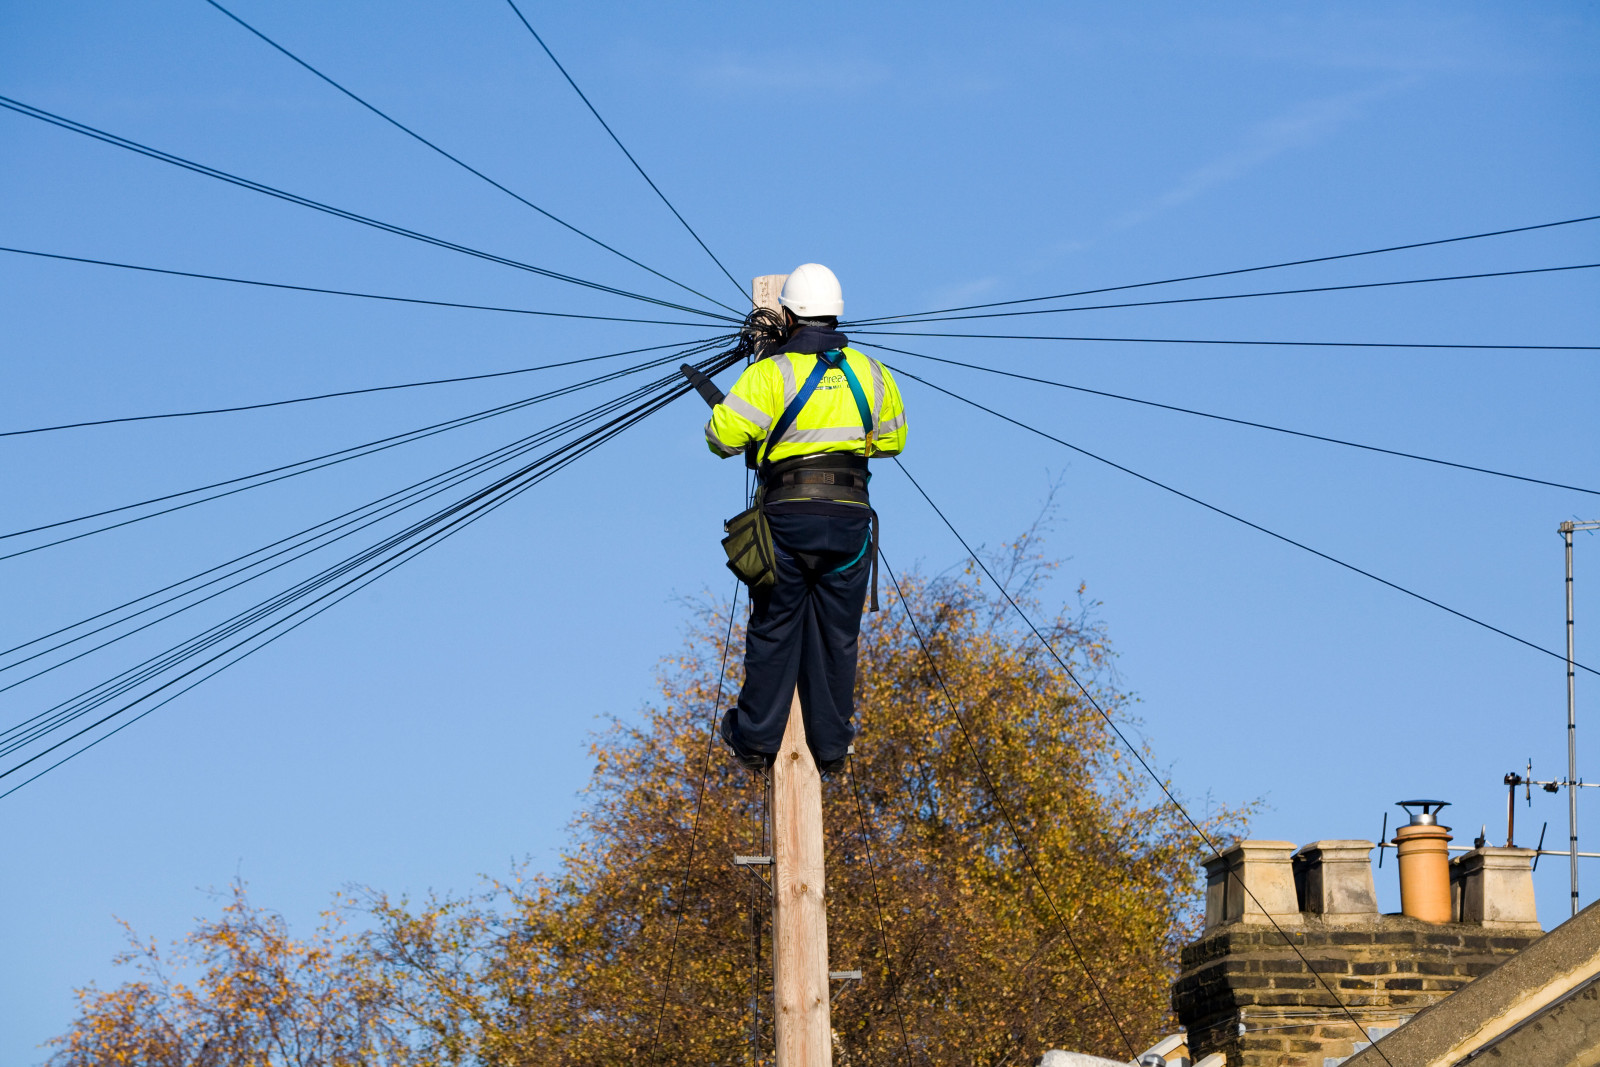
(812, 292)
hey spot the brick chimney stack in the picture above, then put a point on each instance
(1245, 992)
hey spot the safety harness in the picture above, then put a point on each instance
(832, 476)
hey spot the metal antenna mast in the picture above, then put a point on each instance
(1566, 530)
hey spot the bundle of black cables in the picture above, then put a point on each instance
(140, 689)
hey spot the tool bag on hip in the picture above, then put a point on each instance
(748, 545)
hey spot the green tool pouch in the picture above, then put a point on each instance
(749, 546)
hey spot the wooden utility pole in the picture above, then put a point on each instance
(799, 909)
(801, 1017)
(765, 289)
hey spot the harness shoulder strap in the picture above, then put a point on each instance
(792, 412)
(856, 391)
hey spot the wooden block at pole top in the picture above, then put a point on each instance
(799, 910)
(765, 289)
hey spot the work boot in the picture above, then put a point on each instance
(755, 762)
(832, 766)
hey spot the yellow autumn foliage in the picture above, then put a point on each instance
(254, 997)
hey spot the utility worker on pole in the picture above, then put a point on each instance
(810, 413)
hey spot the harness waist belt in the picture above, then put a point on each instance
(824, 476)
(839, 483)
(853, 479)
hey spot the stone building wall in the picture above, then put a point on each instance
(1244, 992)
(1294, 947)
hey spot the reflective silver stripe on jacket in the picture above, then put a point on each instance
(786, 368)
(877, 394)
(740, 406)
(892, 425)
(827, 435)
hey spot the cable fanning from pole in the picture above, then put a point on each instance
(618, 141)
(1246, 522)
(311, 464)
(321, 396)
(294, 198)
(408, 131)
(1244, 422)
(360, 581)
(76, 707)
(470, 467)
(1244, 296)
(346, 292)
(1251, 270)
(365, 516)
(393, 552)
(1219, 341)
(1129, 745)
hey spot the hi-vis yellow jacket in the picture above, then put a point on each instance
(830, 420)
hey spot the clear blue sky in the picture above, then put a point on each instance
(430, 730)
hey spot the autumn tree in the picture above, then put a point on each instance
(993, 857)
(239, 991)
(1004, 876)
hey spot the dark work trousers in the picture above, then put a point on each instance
(803, 631)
